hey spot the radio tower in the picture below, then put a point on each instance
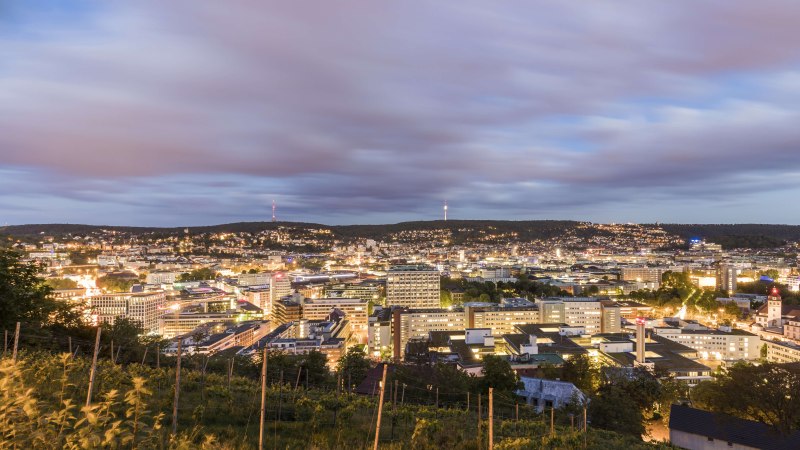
(445, 210)
(274, 219)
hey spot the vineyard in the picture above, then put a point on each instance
(43, 397)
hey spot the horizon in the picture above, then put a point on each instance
(280, 222)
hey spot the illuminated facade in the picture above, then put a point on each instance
(413, 287)
(144, 308)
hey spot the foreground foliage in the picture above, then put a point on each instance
(42, 398)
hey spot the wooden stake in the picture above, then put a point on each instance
(145, 355)
(516, 414)
(479, 420)
(177, 390)
(16, 343)
(263, 400)
(112, 351)
(297, 382)
(403, 396)
(584, 427)
(380, 408)
(552, 421)
(94, 367)
(491, 419)
(437, 397)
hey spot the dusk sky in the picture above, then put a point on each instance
(195, 112)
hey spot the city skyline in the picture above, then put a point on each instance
(158, 114)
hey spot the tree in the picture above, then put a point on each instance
(613, 409)
(201, 274)
(354, 365)
(316, 364)
(767, 393)
(115, 284)
(61, 283)
(497, 374)
(582, 372)
(25, 297)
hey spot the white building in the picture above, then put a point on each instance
(279, 286)
(413, 287)
(722, 344)
(144, 308)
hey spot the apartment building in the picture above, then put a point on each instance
(144, 308)
(413, 286)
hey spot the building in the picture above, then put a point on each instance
(644, 274)
(541, 393)
(696, 429)
(585, 312)
(355, 310)
(774, 314)
(419, 323)
(726, 278)
(723, 344)
(161, 277)
(280, 286)
(369, 290)
(379, 334)
(144, 308)
(501, 319)
(413, 287)
(782, 352)
(222, 337)
(286, 310)
(253, 279)
(631, 310)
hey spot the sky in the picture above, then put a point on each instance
(190, 112)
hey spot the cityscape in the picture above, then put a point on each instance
(399, 226)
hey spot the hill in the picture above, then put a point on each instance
(456, 231)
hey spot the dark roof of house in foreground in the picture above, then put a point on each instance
(730, 429)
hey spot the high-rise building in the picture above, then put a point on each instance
(413, 286)
(143, 308)
(726, 278)
(280, 286)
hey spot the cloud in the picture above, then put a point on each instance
(371, 111)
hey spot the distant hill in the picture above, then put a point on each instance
(730, 236)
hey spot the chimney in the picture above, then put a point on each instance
(640, 338)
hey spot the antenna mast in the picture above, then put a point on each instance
(445, 210)
(273, 211)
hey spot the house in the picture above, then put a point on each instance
(695, 429)
(541, 393)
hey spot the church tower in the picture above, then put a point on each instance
(774, 309)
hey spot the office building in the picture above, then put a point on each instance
(723, 344)
(280, 286)
(413, 287)
(143, 308)
(726, 278)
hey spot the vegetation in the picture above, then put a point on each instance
(26, 298)
(112, 283)
(201, 274)
(61, 283)
(41, 398)
(676, 290)
(767, 392)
